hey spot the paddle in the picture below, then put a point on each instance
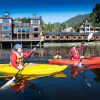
(11, 81)
(89, 37)
(80, 64)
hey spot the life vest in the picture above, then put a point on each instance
(19, 57)
(76, 53)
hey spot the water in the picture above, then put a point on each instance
(57, 88)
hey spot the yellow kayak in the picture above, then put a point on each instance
(33, 71)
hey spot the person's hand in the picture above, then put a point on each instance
(20, 67)
(81, 57)
(34, 49)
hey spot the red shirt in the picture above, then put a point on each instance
(13, 58)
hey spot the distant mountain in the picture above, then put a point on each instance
(72, 22)
(56, 24)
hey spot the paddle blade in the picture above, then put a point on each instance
(10, 82)
(88, 84)
(90, 36)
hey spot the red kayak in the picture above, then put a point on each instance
(86, 61)
(93, 66)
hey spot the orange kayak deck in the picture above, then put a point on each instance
(87, 61)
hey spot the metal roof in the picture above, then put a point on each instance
(5, 17)
(68, 33)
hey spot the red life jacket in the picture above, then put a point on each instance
(19, 58)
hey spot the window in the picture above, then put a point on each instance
(5, 20)
(87, 29)
(5, 35)
(83, 29)
(87, 26)
(35, 35)
(19, 29)
(34, 21)
(53, 37)
(15, 30)
(27, 29)
(61, 37)
(47, 37)
(5, 28)
(23, 29)
(35, 29)
(67, 37)
(91, 29)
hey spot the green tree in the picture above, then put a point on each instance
(95, 16)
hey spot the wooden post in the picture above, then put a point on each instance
(11, 45)
(1, 46)
(31, 44)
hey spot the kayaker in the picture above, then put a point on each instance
(74, 52)
(17, 55)
(57, 56)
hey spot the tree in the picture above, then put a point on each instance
(95, 16)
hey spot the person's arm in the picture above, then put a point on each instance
(13, 60)
(26, 54)
(73, 53)
(80, 48)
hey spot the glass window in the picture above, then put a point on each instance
(87, 29)
(19, 29)
(35, 29)
(5, 35)
(5, 28)
(23, 29)
(34, 21)
(27, 29)
(35, 35)
(15, 29)
(47, 36)
(5, 20)
(87, 26)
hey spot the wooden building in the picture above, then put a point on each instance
(69, 36)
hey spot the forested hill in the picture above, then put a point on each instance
(76, 20)
(94, 17)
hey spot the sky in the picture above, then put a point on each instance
(51, 10)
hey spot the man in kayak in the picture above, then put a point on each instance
(17, 55)
(74, 52)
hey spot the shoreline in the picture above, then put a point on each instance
(53, 44)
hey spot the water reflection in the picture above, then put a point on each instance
(97, 75)
(56, 88)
